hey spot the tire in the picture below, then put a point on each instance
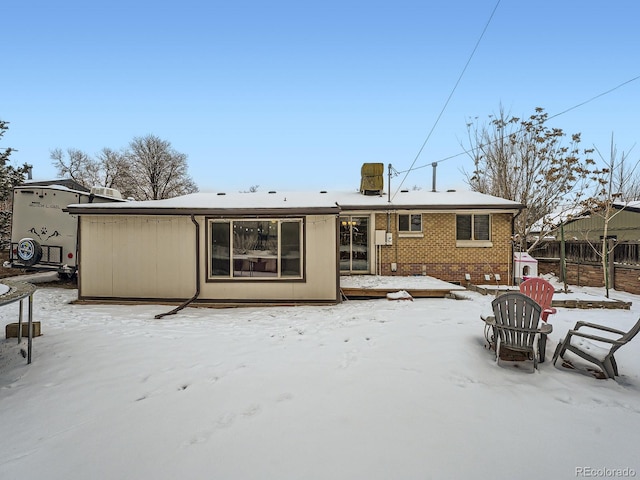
(29, 251)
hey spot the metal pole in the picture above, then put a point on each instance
(30, 328)
(20, 323)
(563, 263)
(610, 266)
(389, 185)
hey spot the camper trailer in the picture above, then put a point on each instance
(43, 236)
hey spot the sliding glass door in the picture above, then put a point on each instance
(354, 244)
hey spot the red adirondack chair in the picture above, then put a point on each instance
(542, 292)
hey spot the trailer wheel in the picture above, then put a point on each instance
(29, 251)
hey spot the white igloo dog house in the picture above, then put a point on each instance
(524, 266)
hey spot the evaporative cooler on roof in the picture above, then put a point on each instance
(371, 182)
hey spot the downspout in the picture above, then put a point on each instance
(180, 307)
(511, 261)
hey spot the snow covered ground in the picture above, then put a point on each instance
(371, 389)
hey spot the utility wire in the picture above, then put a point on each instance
(411, 168)
(450, 95)
(594, 98)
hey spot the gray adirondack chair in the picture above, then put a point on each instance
(515, 324)
(596, 349)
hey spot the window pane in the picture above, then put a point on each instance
(255, 248)
(345, 243)
(463, 227)
(416, 223)
(220, 259)
(360, 243)
(481, 227)
(403, 223)
(290, 260)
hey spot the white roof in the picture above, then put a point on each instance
(324, 199)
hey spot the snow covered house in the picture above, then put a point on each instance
(287, 247)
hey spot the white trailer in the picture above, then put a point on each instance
(43, 237)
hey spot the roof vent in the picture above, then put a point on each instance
(106, 192)
(371, 181)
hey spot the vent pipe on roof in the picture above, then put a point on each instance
(433, 184)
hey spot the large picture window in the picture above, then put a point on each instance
(256, 249)
(473, 227)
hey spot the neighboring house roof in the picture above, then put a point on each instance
(301, 202)
(569, 215)
(633, 206)
(555, 218)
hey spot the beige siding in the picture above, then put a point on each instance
(137, 256)
(153, 257)
(625, 225)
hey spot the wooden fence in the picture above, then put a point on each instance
(583, 264)
(581, 251)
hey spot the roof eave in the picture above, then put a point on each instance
(262, 212)
(507, 208)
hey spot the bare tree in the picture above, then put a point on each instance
(526, 161)
(608, 200)
(626, 176)
(114, 170)
(148, 169)
(77, 165)
(157, 170)
(108, 169)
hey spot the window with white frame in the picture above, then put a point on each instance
(473, 227)
(410, 223)
(255, 249)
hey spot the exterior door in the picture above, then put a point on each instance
(354, 244)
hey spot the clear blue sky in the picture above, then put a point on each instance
(297, 95)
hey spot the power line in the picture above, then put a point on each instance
(465, 152)
(450, 94)
(595, 97)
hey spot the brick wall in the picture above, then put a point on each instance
(436, 254)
